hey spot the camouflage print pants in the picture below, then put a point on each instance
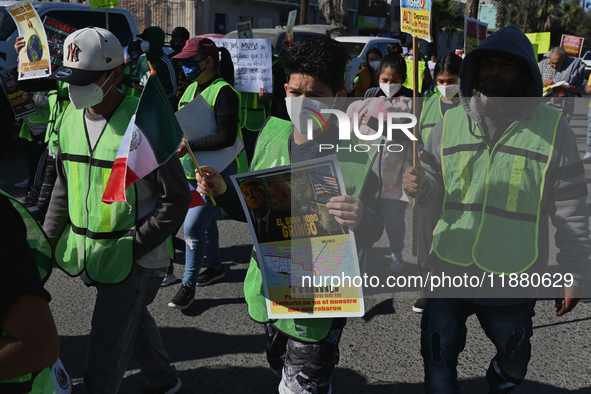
(304, 367)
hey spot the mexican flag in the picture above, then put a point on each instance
(152, 137)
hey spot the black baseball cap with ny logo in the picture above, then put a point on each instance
(88, 53)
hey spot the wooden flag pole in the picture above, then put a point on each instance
(415, 144)
(190, 152)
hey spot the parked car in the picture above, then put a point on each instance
(358, 47)
(121, 24)
(587, 61)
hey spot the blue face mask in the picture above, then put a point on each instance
(192, 70)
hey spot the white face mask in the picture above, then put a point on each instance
(87, 96)
(301, 110)
(374, 64)
(145, 45)
(448, 91)
(390, 89)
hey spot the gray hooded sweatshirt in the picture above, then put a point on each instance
(565, 190)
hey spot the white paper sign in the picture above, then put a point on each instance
(253, 61)
(219, 159)
(197, 120)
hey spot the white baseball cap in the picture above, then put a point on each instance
(88, 53)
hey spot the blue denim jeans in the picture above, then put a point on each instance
(201, 238)
(122, 326)
(393, 211)
(443, 337)
(589, 131)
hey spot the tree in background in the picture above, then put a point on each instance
(555, 16)
(336, 12)
(446, 17)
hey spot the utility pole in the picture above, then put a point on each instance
(304, 9)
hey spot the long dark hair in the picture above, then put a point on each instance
(225, 66)
(394, 61)
(449, 62)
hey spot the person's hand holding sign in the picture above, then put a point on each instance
(347, 210)
(19, 44)
(211, 183)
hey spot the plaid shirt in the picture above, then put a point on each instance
(546, 69)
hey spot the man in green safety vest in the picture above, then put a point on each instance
(304, 352)
(120, 249)
(504, 163)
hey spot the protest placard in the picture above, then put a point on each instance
(572, 45)
(291, 18)
(34, 59)
(541, 39)
(244, 29)
(253, 62)
(303, 252)
(197, 120)
(56, 32)
(474, 33)
(415, 18)
(20, 107)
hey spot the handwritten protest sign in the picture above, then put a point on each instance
(34, 59)
(252, 63)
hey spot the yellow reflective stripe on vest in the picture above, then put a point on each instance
(492, 202)
(99, 237)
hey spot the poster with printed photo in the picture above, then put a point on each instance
(301, 249)
(34, 58)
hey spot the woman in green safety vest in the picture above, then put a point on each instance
(213, 79)
(446, 97)
(28, 352)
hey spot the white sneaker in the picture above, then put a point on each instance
(586, 158)
(397, 264)
(23, 184)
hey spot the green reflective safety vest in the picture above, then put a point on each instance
(272, 150)
(128, 90)
(99, 237)
(41, 116)
(253, 112)
(210, 95)
(58, 101)
(430, 115)
(41, 383)
(492, 202)
(50, 380)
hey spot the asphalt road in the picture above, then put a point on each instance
(218, 349)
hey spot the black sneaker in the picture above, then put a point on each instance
(210, 275)
(164, 390)
(183, 298)
(419, 306)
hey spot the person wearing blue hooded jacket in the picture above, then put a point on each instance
(504, 164)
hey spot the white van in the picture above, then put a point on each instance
(357, 46)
